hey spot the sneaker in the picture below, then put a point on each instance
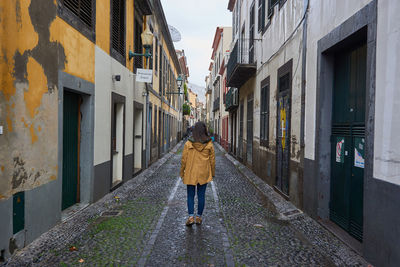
(190, 221)
(198, 220)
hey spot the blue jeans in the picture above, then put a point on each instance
(201, 198)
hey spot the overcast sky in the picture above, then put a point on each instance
(197, 21)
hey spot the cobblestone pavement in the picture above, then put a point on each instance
(240, 228)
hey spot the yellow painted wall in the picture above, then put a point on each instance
(103, 25)
(79, 51)
(28, 97)
(29, 89)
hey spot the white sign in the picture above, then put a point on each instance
(1, 129)
(358, 159)
(144, 75)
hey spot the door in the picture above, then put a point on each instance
(249, 131)
(348, 141)
(137, 139)
(18, 212)
(168, 131)
(117, 144)
(283, 134)
(70, 167)
(240, 144)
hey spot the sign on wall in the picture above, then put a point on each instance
(339, 149)
(144, 75)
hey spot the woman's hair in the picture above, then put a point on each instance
(200, 133)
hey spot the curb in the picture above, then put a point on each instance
(284, 209)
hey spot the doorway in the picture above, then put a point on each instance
(348, 140)
(283, 123)
(71, 141)
(117, 139)
(137, 137)
(240, 143)
(249, 130)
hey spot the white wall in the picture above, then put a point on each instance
(106, 66)
(387, 93)
(324, 16)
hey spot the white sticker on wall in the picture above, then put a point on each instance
(358, 159)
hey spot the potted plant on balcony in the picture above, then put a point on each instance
(186, 109)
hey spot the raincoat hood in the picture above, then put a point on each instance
(198, 145)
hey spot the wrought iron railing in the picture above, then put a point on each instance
(231, 100)
(241, 54)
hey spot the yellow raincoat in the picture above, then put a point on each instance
(198, 163)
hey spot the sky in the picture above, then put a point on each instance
(197, 21)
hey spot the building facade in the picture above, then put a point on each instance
(73, 117)
(221, 43)
(311, 102)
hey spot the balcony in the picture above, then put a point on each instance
(216, 105)
(241, 64)
(231, 99)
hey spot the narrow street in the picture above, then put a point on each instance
(142, 223)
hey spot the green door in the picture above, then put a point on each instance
(18, 212)
(70, 166)
(348, 141)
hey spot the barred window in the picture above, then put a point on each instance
(118, 26)
(82, 9)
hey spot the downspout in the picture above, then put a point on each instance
(147, 128)
(303, 79)
(147, 159)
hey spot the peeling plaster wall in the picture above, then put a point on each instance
(35, 45)
(29, 63)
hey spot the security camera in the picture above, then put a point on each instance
(116, 78)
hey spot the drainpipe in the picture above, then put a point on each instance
(303, 77)
(147, 128)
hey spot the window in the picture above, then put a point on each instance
(80, 14)
(261, 14)
(264, 113)
(156, 57)
(138, 61)
(82, 9)
(118, 27)
(271, 4)
(251, 37)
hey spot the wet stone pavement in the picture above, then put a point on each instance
(143, 224)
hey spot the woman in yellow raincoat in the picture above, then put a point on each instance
(197, 169)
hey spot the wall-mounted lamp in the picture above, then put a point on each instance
(147, 40)
(116, 78)
(179, 82)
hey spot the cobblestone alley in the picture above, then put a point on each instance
(143, 224)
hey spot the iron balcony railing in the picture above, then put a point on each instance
(241, 64)
(231, 99)
(216, 104)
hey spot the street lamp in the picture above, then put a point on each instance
(147, 40)
(179, 82)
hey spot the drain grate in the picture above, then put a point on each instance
(111, 213)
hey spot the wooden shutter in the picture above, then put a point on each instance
(82, 9)
(118, 26)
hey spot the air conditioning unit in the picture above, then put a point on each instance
(235, 97)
